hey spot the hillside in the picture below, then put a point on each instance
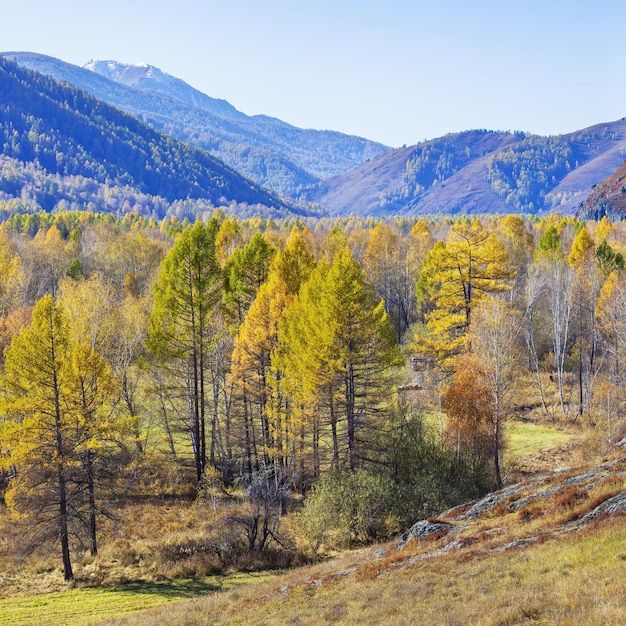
(479, 172)
(56, 138)
(548, 550)
(270, 152)
(607, 198)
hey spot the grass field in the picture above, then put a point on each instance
(83, 606)
(525, 438)
(574, 579)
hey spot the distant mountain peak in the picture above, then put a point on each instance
(125, 73)
(150, 78)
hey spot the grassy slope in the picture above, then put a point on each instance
(572, 580)
(474, 584)
(509, 565)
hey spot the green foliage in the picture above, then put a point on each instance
(75, 269)
(418, 475)
(186, 291)
(346, 508)
(246, 270)
(427, 474)
(608, 259)
(549, 244)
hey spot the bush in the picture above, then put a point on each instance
(347, 508)
(418, 476)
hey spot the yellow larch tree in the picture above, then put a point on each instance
(456, 276)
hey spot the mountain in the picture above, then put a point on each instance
(608, 198)
(148, 78)
(56, 138)
(271, 152)
(479, 172)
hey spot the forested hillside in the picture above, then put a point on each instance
(314, 389)
(270, 152)
(61, 145)
(479, 172)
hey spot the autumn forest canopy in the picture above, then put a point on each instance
(301, 365)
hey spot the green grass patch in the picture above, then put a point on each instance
(524, 438)
(83, 606)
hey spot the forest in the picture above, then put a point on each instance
(301, 384)
(59, 144)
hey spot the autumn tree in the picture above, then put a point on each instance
(45, 260)
(11, 276)
(54, 391)
(251, 370)
(586, 285)
(495, 344)
(391, 267)
(611, 323)
(339, 357)
(556, 300)
(469, 406)
(90, 385)
(186, 291)
(456, 276)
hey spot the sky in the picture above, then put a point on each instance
(394, 71)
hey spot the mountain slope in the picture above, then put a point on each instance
(64, 132)
(607, 198)
(273, 153)
(479, 172)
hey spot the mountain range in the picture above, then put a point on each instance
(479, 172)
(61, 144)
(472, 172)
(267, 150)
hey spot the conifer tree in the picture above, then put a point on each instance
(457, 275)
(250, 370)
(186, 291)
(246, 270)
(339, 356)
(54, 391)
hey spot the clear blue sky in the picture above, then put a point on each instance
(394, 71)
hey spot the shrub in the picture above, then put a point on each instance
(347, 508)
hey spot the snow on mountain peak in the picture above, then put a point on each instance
(127, 74)
(150, 78)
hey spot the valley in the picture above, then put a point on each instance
(253, 373)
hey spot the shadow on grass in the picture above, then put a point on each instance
(168, 589)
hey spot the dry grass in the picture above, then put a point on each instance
(569, 580)
(555, 575)
(150, 542)
(159, 553)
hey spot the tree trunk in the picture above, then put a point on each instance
(68, 574)
(92, 503)
(350, 416)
